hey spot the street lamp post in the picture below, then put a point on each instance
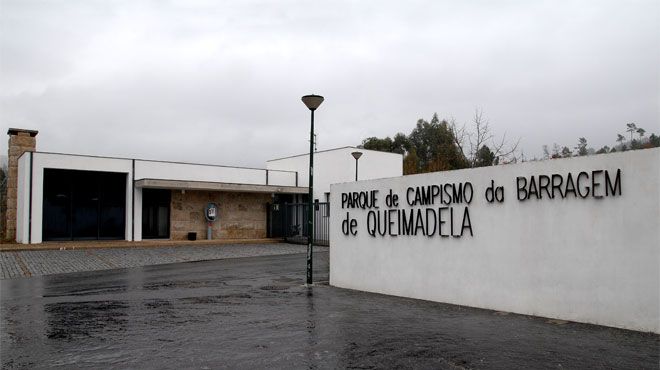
(312, 102)
(357, 156)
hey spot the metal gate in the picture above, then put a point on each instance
(289, 221)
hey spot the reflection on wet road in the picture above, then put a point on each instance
(255, 313)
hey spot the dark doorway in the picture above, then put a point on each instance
(156, 213)
(82, 205)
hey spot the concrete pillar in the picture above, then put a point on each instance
(20, 141)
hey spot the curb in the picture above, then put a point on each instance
(96, 244)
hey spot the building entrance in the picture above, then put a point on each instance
(84, 205)
(156, 213)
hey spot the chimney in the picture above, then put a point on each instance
(20, 141)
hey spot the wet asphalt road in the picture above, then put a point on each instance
(255, 313)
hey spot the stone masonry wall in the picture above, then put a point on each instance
(242, 215)
(19, 143)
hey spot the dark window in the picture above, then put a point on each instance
(84, 205)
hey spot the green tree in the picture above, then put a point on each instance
(654, 140)
(641, 133)
(632, 127)
(411, 162)
(436, 146)
(581, 147)
(400, 144)
(566, 153)
(603, 150)
(485, 157)
(374, 143)
(620, 139)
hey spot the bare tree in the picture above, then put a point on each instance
(471, 140)
(460, 134)
(556, 151)
(482, 135)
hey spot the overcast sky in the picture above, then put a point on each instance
(220, 81)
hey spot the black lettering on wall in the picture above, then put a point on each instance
(468, 185)
(533, 190)
(447, 188)
(408, 191)
(521, 184)
(451, 221)
(586, 188)
(457, 193)
(595, 184)
(419, 222)
(408, 222)
(544, 184)
(431, 211)
(371, 223)
(435, 191)
(557, 181)
(466, 222)
(390, 221)
(570, 186)
(382, 229)
(426, 195)
(612, 188)
(441, 221)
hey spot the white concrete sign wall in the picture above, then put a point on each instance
(576, 239)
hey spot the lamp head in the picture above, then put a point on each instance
(356, 155)
(312, 101)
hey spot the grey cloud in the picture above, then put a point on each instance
(221, 82)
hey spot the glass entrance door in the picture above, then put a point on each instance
(156, 213)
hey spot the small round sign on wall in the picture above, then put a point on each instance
(211, 215)
(211, 212)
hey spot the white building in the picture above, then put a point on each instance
(58, 196)
(337, 166)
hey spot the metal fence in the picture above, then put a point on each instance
(289, 221)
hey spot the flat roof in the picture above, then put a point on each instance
(218, 186)
(156, 161)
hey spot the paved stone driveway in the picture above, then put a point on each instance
(18, 264)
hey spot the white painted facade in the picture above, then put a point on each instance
(285, 174)
(41, 161)
(338, 165)
(593, 260)
(199, 172)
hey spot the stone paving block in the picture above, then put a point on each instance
(47, 262)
